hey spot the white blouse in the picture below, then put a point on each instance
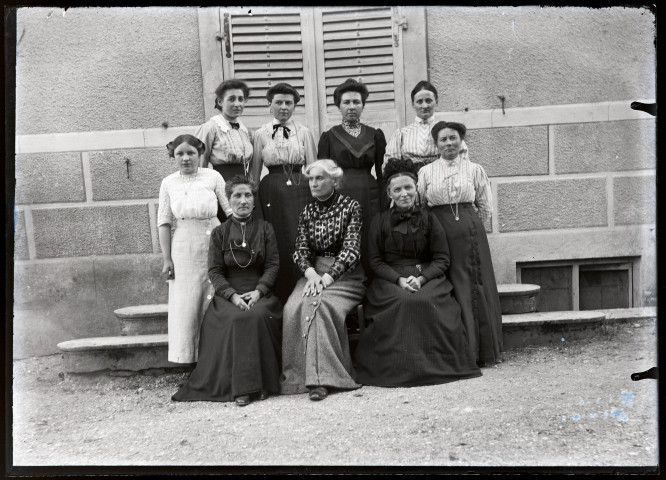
(299, 148)
(445, 182)
(191, 196)
(225, 144)
(416, 143)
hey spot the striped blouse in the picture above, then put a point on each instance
(415, 142)
(445, 182)
(333, 225)
(299, 148)
(225, 144)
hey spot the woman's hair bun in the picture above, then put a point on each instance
(399, 165)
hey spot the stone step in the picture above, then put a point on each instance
(518, 297)
(143, 352)
(143, 319)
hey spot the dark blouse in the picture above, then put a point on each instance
(332, 226)
(348, 151)
(227, 253)
(408, 238)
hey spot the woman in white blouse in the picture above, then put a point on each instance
(228, 141)
(188, 204)
(284, 147)
(414, 141)
(458, 193)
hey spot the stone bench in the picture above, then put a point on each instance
(143, 319)
(518, 297)
(133, 353)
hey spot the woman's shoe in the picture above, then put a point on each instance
(318, 393)
(264, 395)
(243, 400)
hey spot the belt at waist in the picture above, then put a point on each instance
(327, 253)
(193, 218)
(281, 168)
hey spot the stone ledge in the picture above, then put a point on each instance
(552, 318)
(141, 311)
(614, 315)
(517, 289)
(114, 343)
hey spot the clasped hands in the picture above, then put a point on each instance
(246, 300)
(411, 283)
(316, 283)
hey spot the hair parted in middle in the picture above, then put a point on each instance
(458, 127)
(186, 138)
(231, 84)
(350, 85)
(284, 89)
(424, 85)
(240, 180)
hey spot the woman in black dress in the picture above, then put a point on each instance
(415, 335)
(240, 340)
(356, 148)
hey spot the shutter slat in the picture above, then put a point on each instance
(360, 61)
(359, 52)
(268, 47)
(347, 44)
(345, 15)
(268, 65)
(372, 88)
(260, 20)
(265, 56)
(257, 29)
(360, 24)
(275, 76)
(355, 72)
(267, 37)
(297, 83)
(370, 33)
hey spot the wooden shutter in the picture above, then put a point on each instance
(364, 44)
(264, 48)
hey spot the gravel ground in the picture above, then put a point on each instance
(567, 405)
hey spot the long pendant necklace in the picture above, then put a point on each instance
(456, 185)
(188, 180)
(243, 245)
(244, 161)
(283, 148)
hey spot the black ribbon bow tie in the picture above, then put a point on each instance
(234, 125)
(285, 131)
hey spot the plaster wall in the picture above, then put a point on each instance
(87, 69)
(536, 56)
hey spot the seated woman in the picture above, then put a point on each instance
(315, 353)
(239, 349)
(415, 335)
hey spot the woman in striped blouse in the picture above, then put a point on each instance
(228, 141)
(414, 141)
(458, 193)
(315, 353)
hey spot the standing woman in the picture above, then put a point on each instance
(415, 141)
(240, 335)
(315, 347)
(188, 202)
(356, 148)
(228, 141)
(458, 193)
(285, 147)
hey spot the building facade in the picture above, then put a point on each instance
(544, 92)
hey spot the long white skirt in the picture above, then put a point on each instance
(191, 291)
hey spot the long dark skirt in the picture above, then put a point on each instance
(315, 350)
(239, 351)
(413, 338)
(281, 204)
(360, 185)
(473, 278)
(229, 171)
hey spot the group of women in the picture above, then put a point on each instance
(264, 270)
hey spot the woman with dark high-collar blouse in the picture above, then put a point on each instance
(239, 348)
(356, 148)
(228, 141)
(315, 347)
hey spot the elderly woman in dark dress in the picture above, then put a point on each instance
(284, 147)
(356, 148)
(239, 349)
(415, 335)
(458, 192)
(228, 141)
(315, 348)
